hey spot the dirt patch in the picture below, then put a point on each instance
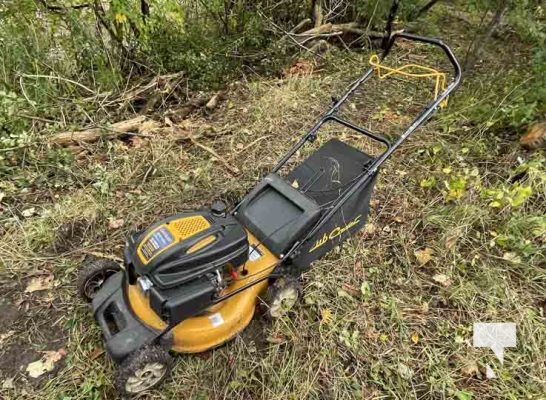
(9, 314)
(26, 333)
(12, 353)
(256, 332)
(71, 234)
(15, 357)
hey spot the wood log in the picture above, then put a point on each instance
(325, 28)
(214, 100)
(94, 134)
(332, 30)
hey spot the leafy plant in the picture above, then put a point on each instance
(524, 234)
(513, 196)
(455, 187)
(14, 134)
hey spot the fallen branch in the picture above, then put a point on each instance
(186, 134)
(94, 134)
(248, 146)
(301, 25)
(333, 30)
(316, 11)
(350, 27)
(230, 168)
(184, 131)
(321, 36)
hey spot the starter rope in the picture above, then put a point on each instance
(384, 71)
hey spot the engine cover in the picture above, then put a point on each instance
(185, 247)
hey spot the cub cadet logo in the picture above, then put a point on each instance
(338, 230)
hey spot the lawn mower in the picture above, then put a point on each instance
(192, 281)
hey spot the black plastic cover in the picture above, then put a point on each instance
(277, 213)
(175, 305)
(123, 332)
(176, 266)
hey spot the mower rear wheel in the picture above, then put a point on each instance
(93, 274)
(143, 370)
(281, 297)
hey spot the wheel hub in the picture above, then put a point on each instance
(93, 284)
(284, 302)
(145, 378)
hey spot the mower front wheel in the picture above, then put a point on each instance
(143, 370)
(281, 297)
(93, 274)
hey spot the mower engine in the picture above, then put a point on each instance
(183, 262)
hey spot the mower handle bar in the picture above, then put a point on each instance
(424, 39)
(330, 115)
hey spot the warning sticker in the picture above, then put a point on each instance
(254, 253)
(160, 239)
(216, 320)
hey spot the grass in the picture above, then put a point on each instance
(399, 328)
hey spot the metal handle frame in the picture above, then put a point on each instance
(330, 115)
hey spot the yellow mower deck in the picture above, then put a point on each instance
(219, 323)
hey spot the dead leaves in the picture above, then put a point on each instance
(8, 384)
(326, 316)
(405, 371)
(45, 364)
(96, 353)
(215, 100)
(350, 289)
(276, 339)
(6, 336)
(452, 238)
(535, 137)
(442, 279)
(115, 223)
(301, 67)
(138, 142)
(29, 212)
(40, 283)
(369, 229)
(423, 256)
(470, 369)
(511, 257)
